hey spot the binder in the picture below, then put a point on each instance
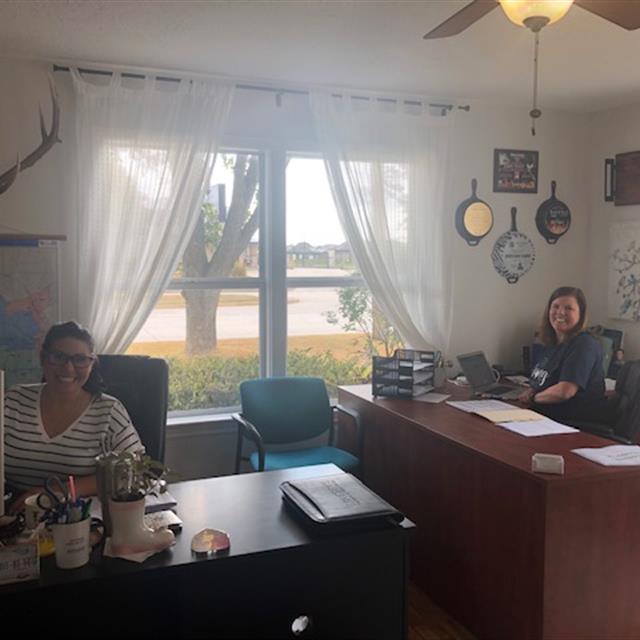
(336, 501)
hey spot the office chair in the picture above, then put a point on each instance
(291, 410)
(141, 383)
(624, 407)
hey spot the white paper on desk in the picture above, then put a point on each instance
(470, 406)
(433, 398)
(616, 455)
(512, 414)
(533, 428)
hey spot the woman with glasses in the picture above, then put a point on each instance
(60, 426)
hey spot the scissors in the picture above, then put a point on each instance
(55, 496)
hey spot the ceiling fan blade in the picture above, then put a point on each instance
(624, 13)
(462, 19)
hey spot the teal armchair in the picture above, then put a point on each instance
(289, 410)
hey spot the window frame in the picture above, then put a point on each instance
(272, 282)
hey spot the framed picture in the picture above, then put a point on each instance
(515, 171)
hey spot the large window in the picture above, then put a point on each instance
(262, 292)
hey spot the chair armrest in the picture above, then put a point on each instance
(246, 429)
(355, 416)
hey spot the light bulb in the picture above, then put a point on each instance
(519, 11)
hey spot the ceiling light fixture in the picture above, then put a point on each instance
(535, 14)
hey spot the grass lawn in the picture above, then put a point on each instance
(342, 345)
(174, 300)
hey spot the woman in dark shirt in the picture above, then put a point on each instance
(568, 382)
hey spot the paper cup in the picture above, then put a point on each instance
(72, 543)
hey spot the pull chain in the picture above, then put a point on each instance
(535, 112)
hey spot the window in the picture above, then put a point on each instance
(260, 293)
(321, 338)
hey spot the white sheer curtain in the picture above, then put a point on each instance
(387, 166)
(145, 151)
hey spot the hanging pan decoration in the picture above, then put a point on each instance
(474, 218)
(513, 253)
(553, 218)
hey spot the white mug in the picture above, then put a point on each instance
(32, 512)
(72, 543)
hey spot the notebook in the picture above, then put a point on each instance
(336, 499)
(481, 379)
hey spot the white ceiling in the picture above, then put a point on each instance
(586, 63)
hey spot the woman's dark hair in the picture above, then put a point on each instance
(72, 329)
(547, 334)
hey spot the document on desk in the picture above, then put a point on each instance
(616, 455)
(510, 415)
(473, 406)
(532, 428)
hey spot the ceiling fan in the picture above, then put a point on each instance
(624, 13)
(536, 14)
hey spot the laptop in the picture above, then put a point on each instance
(481, 379)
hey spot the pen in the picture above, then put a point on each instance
(72, 488)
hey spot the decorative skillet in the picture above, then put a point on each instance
(474, 218)
(553, 218)
(513, 253)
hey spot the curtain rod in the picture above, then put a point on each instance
(278, 91)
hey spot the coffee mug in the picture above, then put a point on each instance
(73, 542)
(32, 512)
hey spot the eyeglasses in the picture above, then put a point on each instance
(78, 360)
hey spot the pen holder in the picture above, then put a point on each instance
(73, 542)
(439, 377)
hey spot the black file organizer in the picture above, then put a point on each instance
(407, 374)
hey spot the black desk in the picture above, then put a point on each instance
(352, 585)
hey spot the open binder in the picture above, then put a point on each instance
(335, 501)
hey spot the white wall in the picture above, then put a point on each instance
(609, 133)
(38, 201)
(489, 313)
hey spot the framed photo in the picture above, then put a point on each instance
(515, 171)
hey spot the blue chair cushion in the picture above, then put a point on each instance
(306, 457)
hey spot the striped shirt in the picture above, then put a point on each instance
(31, 456)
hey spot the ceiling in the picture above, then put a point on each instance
(586, 63)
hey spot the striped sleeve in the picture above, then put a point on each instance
(122, 434)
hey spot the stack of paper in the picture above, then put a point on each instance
(522, 421)
(615, 455)
(510, 415)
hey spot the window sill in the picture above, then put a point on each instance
(212, 418)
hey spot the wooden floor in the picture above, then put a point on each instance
(428, 622)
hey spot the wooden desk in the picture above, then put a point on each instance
(351, 585)
(510, 554)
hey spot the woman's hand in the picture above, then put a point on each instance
(526, 397)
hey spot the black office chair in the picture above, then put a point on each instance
(141, 383)
(623, 407)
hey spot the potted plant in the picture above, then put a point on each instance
(127, 479)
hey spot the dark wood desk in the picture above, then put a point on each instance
(350, 585)
(511, 554)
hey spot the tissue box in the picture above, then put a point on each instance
(20, 561)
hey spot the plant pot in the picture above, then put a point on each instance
(129, 533)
